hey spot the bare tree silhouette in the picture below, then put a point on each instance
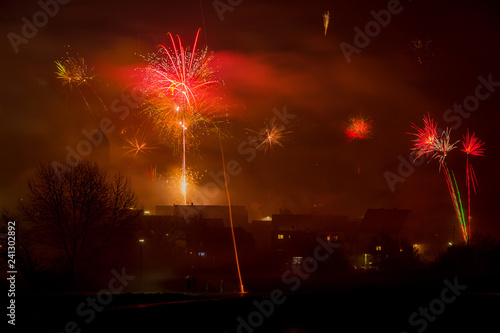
(82, 214)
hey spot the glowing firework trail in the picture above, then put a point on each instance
(471, 146)
(326, 20)
(73, 74)
(242, 290)
(456, 200)
(153, 174)
(177, 83)
(441, 148)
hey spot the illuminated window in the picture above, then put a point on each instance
(201, 254)
(280, 236)
(332, 237)
(378, 248)
(296, 260)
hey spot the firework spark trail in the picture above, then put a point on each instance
(471, 146)
(74, 73)
(456, 200)
(242, 290)
(326, 20)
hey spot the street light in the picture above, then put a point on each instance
(140, 263)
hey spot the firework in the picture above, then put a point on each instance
(271, 136)
(424, 143)
(137, 143)
(326, 20)
(422, 50)
(358, 128)
(442, 146)
(182, 182)
(152, 174)
(471, 146)
(179, 78)
(74, 74)
(429, 143)
(177, 88)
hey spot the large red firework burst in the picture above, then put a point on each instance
(426, 137)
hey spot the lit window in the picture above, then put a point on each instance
(280, 236)
(334, 238)
(378, 248)
(201, 254)
(296, 260)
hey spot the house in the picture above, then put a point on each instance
(239, 213)
(383, 234)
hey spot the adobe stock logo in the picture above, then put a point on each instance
(29, 30)
(221, 7)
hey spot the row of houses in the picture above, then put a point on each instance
(204, 231)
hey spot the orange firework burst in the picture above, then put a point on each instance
(271, 136)
(136, 145)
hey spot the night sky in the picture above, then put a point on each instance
(271, 55)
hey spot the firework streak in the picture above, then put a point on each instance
(428, 143)
(471, 146)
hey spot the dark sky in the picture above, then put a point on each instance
(270, 55)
